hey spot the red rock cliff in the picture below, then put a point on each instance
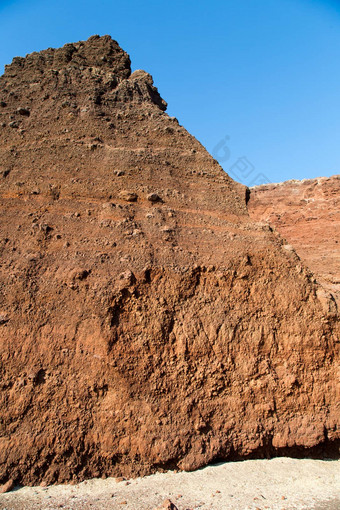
(307, 214)
(146, 322)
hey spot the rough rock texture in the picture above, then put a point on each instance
(138, 335)
(307, 214)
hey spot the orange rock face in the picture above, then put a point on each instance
(146, 321)
(307, 214)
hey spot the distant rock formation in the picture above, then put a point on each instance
(147, 322)
(307, 214)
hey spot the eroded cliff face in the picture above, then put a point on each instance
(307, 214)
(146, 322)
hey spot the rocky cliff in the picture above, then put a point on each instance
(307, 214)
(146, 321)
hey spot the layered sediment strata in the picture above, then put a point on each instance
(307, 214)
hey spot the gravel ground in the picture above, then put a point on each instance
(278, 484)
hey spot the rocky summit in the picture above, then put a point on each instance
(147, 322)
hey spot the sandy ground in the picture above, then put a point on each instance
(281, 483)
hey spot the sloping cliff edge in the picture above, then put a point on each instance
(307, 214)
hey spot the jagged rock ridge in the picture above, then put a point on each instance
(146, 322)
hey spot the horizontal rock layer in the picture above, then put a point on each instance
(307, 214)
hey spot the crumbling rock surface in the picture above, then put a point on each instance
(307, 214)
(147, 322)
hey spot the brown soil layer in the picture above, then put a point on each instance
(146, 321)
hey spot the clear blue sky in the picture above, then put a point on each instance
(264, 72)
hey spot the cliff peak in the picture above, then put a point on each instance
(98, 51)
(97, 68)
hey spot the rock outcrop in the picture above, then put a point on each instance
(147, 322)
(307, 214)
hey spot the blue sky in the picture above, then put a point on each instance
(264, 73)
